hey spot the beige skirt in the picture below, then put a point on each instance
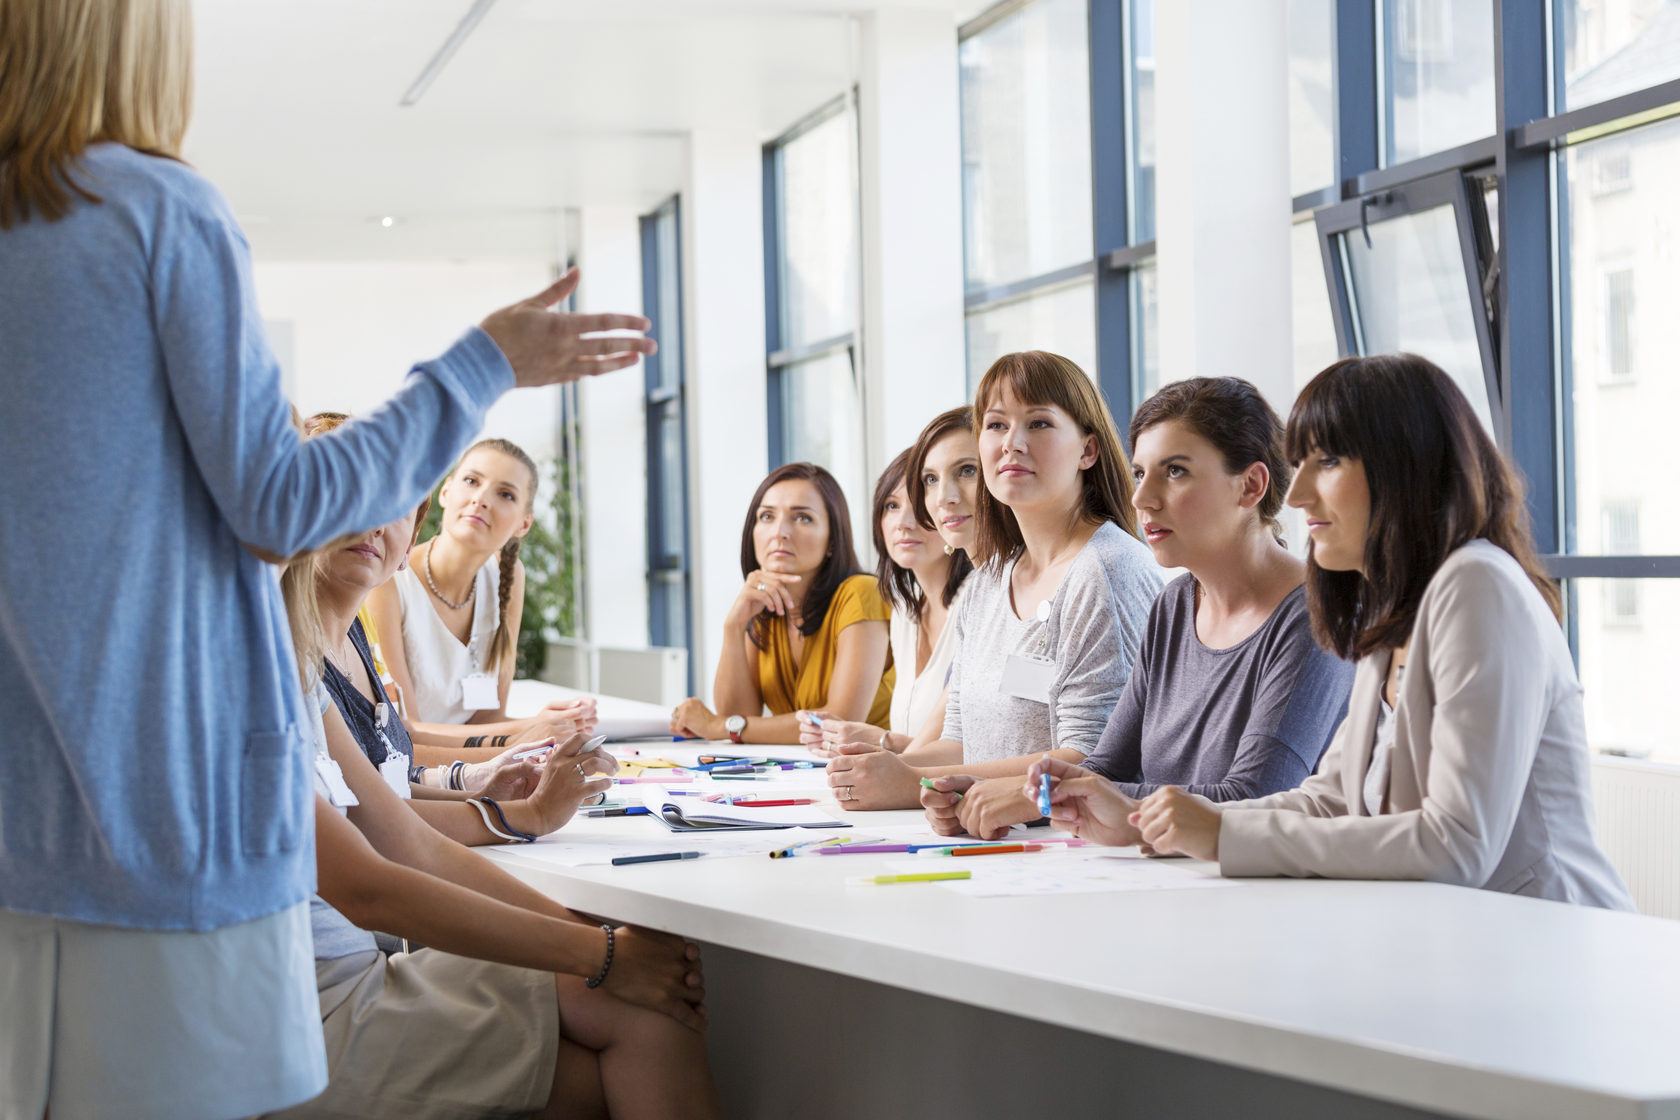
(432, 1035)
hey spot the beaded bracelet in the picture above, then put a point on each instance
(606, 966)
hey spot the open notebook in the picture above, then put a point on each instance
(696, 814)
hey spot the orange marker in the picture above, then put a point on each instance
(997, 849)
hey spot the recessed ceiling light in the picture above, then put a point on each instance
(387, 221)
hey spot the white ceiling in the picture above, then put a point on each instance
(549, 104)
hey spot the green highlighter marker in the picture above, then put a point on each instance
(927, 783)
(918, 877)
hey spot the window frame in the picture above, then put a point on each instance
(662, 403)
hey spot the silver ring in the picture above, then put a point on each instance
(844, 793)
(579, 767)
(762, 586)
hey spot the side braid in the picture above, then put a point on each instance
(501, 645)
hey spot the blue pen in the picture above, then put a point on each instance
(813, 719)
(617, 811)
(1044, 794)
(661, 857)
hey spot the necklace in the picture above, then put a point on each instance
(426, 564)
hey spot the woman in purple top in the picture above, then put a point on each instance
(1229, 694)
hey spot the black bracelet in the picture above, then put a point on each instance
(416, 774)
(606, 966)
(499, 741)
(453, 779)
(473, 741)
(524, 837)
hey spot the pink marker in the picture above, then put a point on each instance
(651, 781)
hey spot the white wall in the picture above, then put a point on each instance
(614, 440)
(1223, 203)
(358, 327)
(910, 133)
(723, 322)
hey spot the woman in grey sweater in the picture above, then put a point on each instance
(1231, 697)
(1054, 613)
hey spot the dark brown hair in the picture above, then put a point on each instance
(898, 584)
(1231, 414)
(1040, 378)
(959, 419)
(839, 563)
(1437, 483)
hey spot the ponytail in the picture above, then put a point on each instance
(501, 644)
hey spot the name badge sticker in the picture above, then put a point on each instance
(478, 692)
(1026, 677)
(395, 772)
(331, 778)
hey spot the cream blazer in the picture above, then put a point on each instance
(1488, 784)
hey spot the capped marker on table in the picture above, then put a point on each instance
(657, 857)
(915, 877)
(754, 803)
(616, 811)
(981, 850)
(813, 719)
(1044, 794)
(650, 780)
(862, 849)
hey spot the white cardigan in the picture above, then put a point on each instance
(1489, 783)
(916, 696)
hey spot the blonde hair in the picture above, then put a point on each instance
(80, 72)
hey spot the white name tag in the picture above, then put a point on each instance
(331, 782)
(478, 692)
(1028, 678)
(395, 772)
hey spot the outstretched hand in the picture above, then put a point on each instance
(551, 347)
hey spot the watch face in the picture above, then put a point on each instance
(735, 724)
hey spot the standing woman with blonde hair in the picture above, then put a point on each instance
(154, 887)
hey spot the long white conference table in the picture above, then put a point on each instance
(1264, 998)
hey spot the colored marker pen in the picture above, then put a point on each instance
(927, 783)
(1044, 794)
(918, 877)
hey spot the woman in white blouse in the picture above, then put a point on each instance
(924, 526)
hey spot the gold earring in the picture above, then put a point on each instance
(949, 551)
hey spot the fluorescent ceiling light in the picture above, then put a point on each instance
(471, 20)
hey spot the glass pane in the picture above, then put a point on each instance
(1628, 649)
(1410, 294)
(1312, 140)
(819, 233)
(1143, 121)
(671, 497)
(1313, 328)
(669, 592)
(1612, 47)
(1622, 217)
(1026, 144)
(824, 422)
(1146, 334)
(1437, 76)
(1062, 321)
(669, 312)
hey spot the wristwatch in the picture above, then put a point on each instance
(735, 726)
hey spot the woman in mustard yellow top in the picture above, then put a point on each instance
(807, 631)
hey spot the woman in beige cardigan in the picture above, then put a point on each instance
(1463, 758)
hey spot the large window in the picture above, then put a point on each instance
(1026, 151)
(1530, 245)
(812, 264)
(667, 442)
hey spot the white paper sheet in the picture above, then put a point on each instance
(1056, 873)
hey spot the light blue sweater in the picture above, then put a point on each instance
(154, 765)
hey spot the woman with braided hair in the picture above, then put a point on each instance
(450, 620)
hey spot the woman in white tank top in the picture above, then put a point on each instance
(449, 625)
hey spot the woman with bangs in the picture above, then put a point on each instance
(1055, 612)
(808, 630)
(932, 504)
(1463, 758)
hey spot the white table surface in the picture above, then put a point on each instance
(1433, 996)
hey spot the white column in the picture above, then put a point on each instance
(614, 440)
(1223, 209)
(723, 313)
(911, 169)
